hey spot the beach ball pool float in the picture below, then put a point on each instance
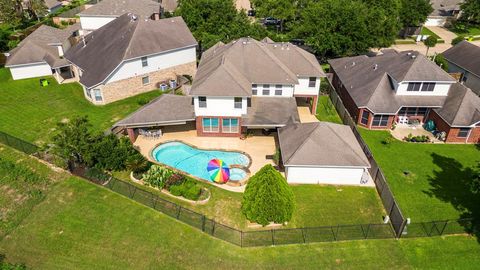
(218, 170)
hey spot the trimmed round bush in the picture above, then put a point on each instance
(268, 198)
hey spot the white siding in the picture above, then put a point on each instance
(287, 90)
(220, 106)
(302, 87)
(441, 89)
(93, 23)
(322, 175)
(435, 21)
(30, 71)
(157, 62)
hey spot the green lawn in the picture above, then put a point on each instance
(426, 31)
(316, 205)
(83, 226)
(326, 111)
(31, 112)
(469, 31)
(438, 182)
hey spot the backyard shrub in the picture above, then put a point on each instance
(268, 197)
(188, 189)
(457, 40)
(276, 156)
(175, 179)
(419, 138)
(441, 62)
(156, 176)
(97, 175)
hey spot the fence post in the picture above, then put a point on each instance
(273, 237)
(213, 227)
(303, 235)
(444, 226)
(178, 211)
(368, 230)
(241, 238)
(203, 223)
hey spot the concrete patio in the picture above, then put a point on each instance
(257, 146)
(402, 131)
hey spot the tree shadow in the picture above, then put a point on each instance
(452, 183)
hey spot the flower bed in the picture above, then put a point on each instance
(173, 184)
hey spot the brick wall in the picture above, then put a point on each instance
(345, 96)
(452, 133)
(133, 86)
(199, 127)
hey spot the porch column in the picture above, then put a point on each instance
(132, 135)
(314, 105)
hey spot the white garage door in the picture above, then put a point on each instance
(30, 71)
(316, 175)
(435, 22)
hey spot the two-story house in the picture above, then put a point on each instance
(129, 56)
(245, 84)
(42, 53)
(106, 11)
(252, 84)
(403, 87)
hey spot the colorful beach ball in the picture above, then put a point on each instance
(218, 170)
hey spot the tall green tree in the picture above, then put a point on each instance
(430, 42)
(471, 11)
(11, 12)
(268, 198)
(414, 12)
(279, 9)
(335, 27)
(382, 21)
(38, 8)
(212, 21)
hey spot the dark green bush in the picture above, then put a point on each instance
(188, 189)
(175, 179)
(457, 40)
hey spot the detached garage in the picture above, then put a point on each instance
(322, 153)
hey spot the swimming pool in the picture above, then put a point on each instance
(194, 161)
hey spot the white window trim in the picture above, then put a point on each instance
(148, 78)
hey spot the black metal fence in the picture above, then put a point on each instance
(391, 206)
(397, 229)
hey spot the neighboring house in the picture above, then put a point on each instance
(106, 11)
(246, 84)
(322, 153)
(400, 88)
(41, 54)
(53, 5)
(443, 11)
(129, 56)
(464, 58)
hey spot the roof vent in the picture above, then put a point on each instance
(353, 64)
(375, 67)
(244, 42)
(409, 53)
(414, 56)
(133, 17)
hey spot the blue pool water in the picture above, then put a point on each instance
(194, 161)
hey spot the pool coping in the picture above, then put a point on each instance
(230, 183)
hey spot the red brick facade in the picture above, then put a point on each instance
(220, 133)
(452, 132)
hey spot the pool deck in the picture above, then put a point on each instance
(257, 146)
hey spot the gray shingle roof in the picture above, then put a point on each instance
(39, 46)
(123, 39)
(230, 69)
(462, 107)
(466, 56)
(116, 8)
(368, 80)
(271, 112)
(444, 7)
(165, 109)
(320, 144)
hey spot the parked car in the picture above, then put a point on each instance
(271, 21)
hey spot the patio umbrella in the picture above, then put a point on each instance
(218, 170)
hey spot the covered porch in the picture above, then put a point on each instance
(64, 74)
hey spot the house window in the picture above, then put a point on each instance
(411, 111)
(202, 102)
(144, 61)
(278, 90)
(463, 133)
(428, 87)
(365, 115)
(254, 90)
(145, 80)
(312, 81)
(237, 103)
(230, 125)
(89, 94)
(380, 120)
(210, 124)
(422, 111)
(266, 90)
(98, 94)
(412, 87)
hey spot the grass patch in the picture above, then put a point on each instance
(405, 41)
(468, 31)
(31, 112)
(427, 32)
(317, 205)
(439, 175)
(23, 184)
(83, 226)
(326, 111)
